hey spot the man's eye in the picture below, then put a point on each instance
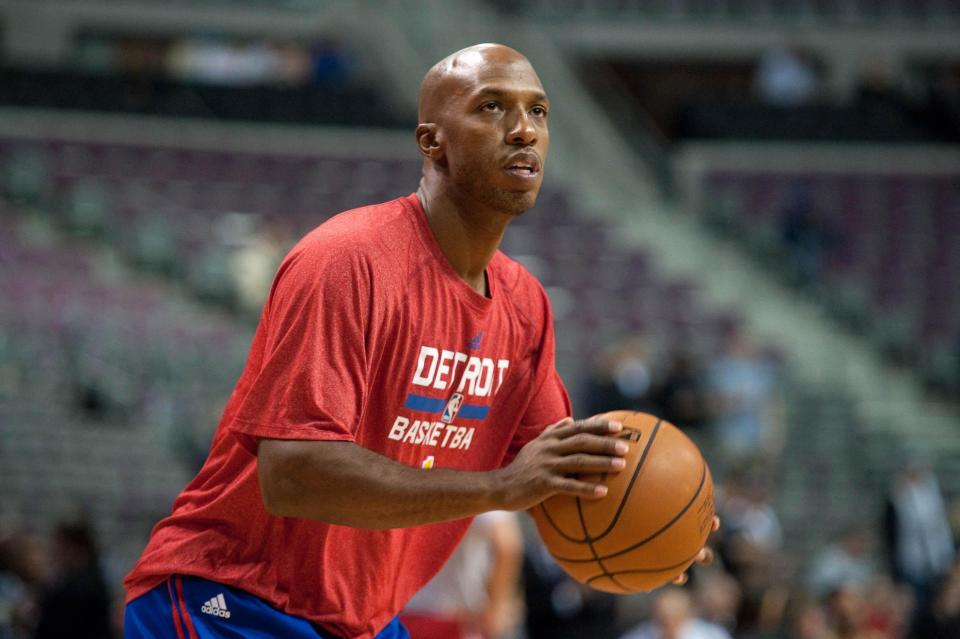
(490, 106)
(539, 111)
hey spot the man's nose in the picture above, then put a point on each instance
(522, 132)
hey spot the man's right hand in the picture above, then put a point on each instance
(551, 463)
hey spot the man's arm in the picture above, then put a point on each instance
(343, 483)
(504, 605)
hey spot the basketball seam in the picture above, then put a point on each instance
(629, 488)
(546, 513)
(606, 573)
(703, 480)
(636, 471)
(593, 551)
(583, 522)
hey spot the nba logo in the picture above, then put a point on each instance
(452, 408)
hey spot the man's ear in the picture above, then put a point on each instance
(429, 140)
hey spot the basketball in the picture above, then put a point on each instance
(654, 519)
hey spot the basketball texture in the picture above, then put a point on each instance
(655, 518)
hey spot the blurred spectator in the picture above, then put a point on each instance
(810, 622)
(21, 571)
(621, 378)
(292, 63)
(919, 546)
(876, 88)
(673, 617)
(846, 560)
(890, 607)
(954, 519)
(219, 61)
(750, 548)
(943, 103)
(476, 594)
(331, 64)
(941, 620)
(847, 613)
(786, 77)
(74, 602)
(853, 611)
(746, 420)
(557, 606)
(717, 596)
(806, 236)
(749, 519)
(254, 264)
(679, 398)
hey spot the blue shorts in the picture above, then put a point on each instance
(194, 608)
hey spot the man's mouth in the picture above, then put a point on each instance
(522, 172)
(525, 168)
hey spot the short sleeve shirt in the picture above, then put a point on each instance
(368, 336)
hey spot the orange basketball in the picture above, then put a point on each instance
(654, 519)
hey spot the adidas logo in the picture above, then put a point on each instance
(216, 607)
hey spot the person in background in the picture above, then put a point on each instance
(476, 594)
(806, 234)
(786, 77)
(673, 617)
(717, 597)
(558, 607)
(941, 620)
(846, 560)
(74, 602)
(746, 414)
(848, 613)
(877, 88)
(918, 540)
(752, 550)
(679, 396)
(22, 568)
(254, 262)
(621, 378)
(809, 621)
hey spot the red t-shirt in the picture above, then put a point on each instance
(370, 336)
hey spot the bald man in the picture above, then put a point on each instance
(401, 381)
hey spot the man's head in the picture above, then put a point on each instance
(671, 611)
(483, 127)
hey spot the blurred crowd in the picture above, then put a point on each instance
(791, 76)
(219, 59)
(55, 587)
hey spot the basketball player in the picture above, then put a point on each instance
(401, 380)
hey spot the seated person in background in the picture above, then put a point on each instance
(673, 617)
(477, 592)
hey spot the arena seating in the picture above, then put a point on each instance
(109, 385)
(348, 104)
(164, 209)
(887, 248)
(868, 12)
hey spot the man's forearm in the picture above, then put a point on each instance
(343, 483)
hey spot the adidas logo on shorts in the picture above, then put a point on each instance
(216, 607)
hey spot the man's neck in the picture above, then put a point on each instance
(468, 235)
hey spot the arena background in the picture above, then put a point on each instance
(750, 224)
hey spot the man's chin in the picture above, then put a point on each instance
(507, 201)
(519, 202)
